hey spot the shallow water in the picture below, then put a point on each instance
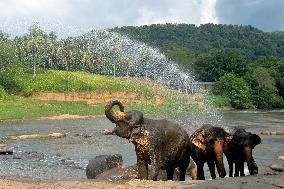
(66, 158)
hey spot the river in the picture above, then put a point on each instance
(66, 158)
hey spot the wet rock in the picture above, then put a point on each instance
(57, 135)
(102, 163)
(5, 149)
(277, 167)
(131, 172)
(119, 174)
(272, 132)
(106, 132)
(36, 136)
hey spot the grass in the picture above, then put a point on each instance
(22, 107)
(62, 81)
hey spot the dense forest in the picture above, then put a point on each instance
(246, 64)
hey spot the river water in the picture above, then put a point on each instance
(66, 158)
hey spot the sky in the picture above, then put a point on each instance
(72, 17)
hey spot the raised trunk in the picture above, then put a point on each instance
(109, 112)
(219, 149)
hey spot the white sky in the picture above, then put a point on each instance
(70, 17)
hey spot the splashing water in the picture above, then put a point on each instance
(135, 59)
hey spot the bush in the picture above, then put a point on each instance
(3, 94)
(235, 89)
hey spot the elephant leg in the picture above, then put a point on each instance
(170, 173)
(211, 166)
(142, 169)
(231, 169)
(242, 171)
(200, 172)
(155, 172)
(237, 169)
(182, 168)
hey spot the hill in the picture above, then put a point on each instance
(200, 39)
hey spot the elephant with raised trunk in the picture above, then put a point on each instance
(239, 150)
(207, 145)
(161, 143)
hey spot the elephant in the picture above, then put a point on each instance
(102, 163)
(239, 150)
(159, 143)
(207, 145)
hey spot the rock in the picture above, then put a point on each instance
(281, 157)
(119, 174)
(5, 149)
(106, 132)
(277, 167)
(57, 135)
(102, 163)
(131, 172)
(272, 132)
(36, 136)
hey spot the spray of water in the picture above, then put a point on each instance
(135, 59)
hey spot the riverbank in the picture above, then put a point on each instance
(249, 182)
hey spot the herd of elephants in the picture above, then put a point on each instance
(167, 146)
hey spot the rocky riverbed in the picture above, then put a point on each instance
(259, 182)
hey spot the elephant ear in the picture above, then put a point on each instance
(255, 139)
(198, 140)
(134, 118)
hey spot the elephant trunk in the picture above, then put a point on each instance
(114, 117)
(250, 161)
(219, 150)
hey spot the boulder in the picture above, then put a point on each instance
(277, 167)
(106, 132)
(5, 149)
(102, 163)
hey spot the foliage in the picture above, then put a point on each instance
(235, 89)
(3, 93)
(264, 88)
(251, 41)
(213, 65)
(184, 56)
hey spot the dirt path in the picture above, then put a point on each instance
(95, 98)
(260, 182)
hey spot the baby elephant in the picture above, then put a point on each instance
(160, 143)
(207, 145)
(239, 150)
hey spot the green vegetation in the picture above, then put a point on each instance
(246, 63)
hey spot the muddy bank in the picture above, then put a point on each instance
(262, 181)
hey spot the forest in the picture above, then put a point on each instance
(246, 64)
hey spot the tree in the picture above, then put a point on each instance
(213, 65)
(235, 89)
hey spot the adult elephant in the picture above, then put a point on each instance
(207, 145)
(161, 143)
(239, 150)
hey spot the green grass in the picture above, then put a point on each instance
(16, 108)
(20, 107)
(62, 81)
